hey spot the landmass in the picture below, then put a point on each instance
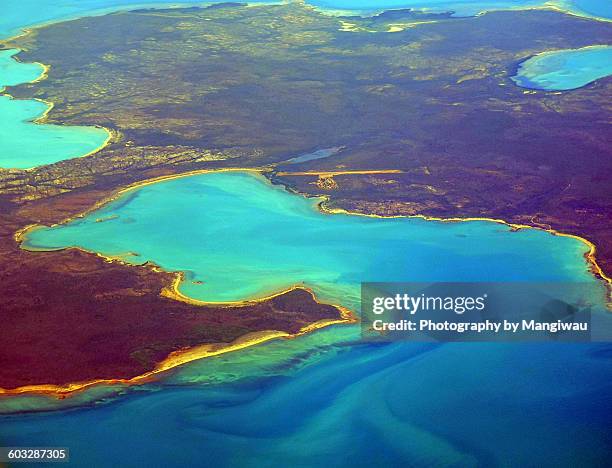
(427, 118)
(70, 317)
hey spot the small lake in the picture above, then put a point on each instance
(318, 154)
(563, 70)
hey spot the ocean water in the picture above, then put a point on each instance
(594, 8)
(24, 144)
(239, 237)
(358, 405)
(326, 398)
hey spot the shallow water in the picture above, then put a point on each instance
(239, 237)
(326, 398)
(595, 8)
(318, 154)
(24, 144)
(565, 69)
(361, 405)
(13, 72)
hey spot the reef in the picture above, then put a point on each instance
(428, 119)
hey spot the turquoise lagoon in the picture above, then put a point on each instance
(13, 72)
(239, 237)
(328, 398)
(563, 70)
(25, 144)
(325, 398)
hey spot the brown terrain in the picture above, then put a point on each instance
(74, 317)
(191, 89)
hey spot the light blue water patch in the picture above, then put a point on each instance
(594, 8)
(240, 237)
(563, 70)
(318, 154)
(13, 72)
(25, 144)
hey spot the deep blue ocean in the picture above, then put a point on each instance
(358, 405)
(329, 399)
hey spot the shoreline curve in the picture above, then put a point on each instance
(172, 291)
(186, 355)
(111, 134)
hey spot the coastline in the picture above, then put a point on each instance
(183, 356)
(590, 256)
(526, 83)
(111, 135)
(202, 351)
(555, 5)
(173, 292)
(173, 360)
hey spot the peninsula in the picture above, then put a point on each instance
(427, 121)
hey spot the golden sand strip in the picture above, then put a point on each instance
(180, 357)
(590, 256)
(111, 135)
(183, 356)
(173, 360)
